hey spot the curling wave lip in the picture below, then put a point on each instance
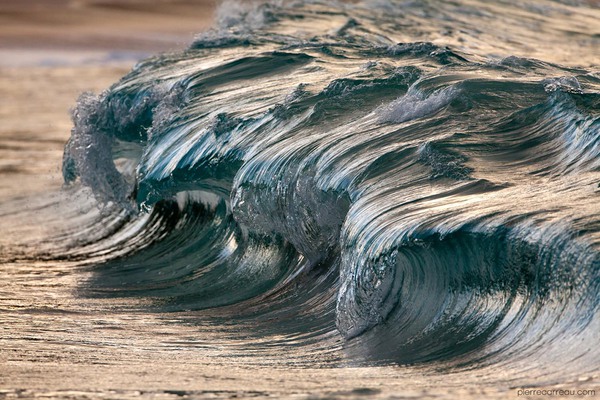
(314, 168)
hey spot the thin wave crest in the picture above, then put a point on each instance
(427, 203)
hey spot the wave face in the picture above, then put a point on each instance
(367, 171)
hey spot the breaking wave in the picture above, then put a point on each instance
(333, 172)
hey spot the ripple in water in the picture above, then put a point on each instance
(345, 185)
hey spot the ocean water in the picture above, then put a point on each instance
(323, 200)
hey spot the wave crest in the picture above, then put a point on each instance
(451, 203)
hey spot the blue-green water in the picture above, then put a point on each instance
(379, 184)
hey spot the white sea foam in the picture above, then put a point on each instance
(415, 104)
